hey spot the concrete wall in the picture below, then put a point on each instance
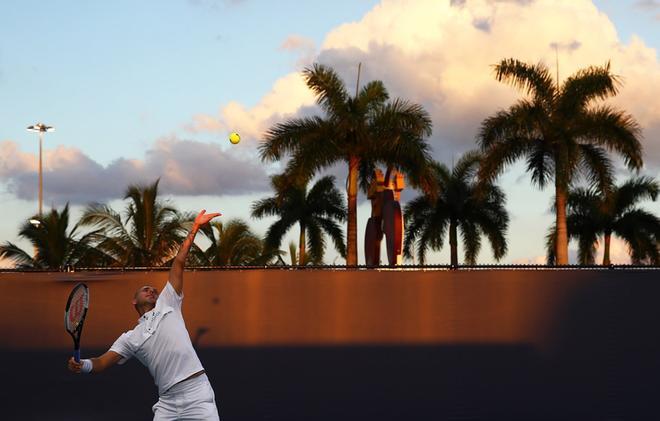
(322, 307)
(355, 345)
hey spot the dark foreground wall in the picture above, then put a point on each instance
(358, 345)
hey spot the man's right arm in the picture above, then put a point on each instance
(99, 364)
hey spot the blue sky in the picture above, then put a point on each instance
(126, 84)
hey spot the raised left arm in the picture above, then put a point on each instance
(176, 273)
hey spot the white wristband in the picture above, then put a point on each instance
(86, 366)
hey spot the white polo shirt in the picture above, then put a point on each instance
(161, 342)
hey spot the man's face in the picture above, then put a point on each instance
(145, 295)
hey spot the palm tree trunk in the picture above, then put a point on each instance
(453, 243)
(606, 249)
(302, 246)
(351, 234)
(561, 244)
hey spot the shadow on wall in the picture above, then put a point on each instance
(607, 347)
(602, 364)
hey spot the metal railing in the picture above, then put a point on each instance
(404, 267)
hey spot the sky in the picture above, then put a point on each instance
(145, 90)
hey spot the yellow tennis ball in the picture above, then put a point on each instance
(234, 138)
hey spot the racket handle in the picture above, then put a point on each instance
(76, 355)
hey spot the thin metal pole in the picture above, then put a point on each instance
(557, 64)
(41, 181)
(357, 84)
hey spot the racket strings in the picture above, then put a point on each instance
(76, 309)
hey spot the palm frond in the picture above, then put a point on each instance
(372, 96)
(586, 85)
(613, 130)
(286, 137)
(265, 207)
(20, 258)
(534, 80)
(597, 166)
(315, 243)
(330, 91)
(635, 190)
(336, 234)
(467, 166)
(471, 241)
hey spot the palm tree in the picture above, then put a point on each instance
(360, 131)
(149, 234)
(560, 131)
(317, 211)
(54, 247)
(592, 214)
(234, 245)
(462, 204)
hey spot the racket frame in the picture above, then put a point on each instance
(77, 331)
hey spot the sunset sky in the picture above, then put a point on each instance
(141, 90)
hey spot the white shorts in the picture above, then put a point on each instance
(192, 399)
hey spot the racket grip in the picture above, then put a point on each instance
(76, 355)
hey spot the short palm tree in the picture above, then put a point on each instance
(54, 247)
(232, 243)
(561, 132)
(149, 234)
(462, 205)
(360, 131)
(317, 211)
(592, 214)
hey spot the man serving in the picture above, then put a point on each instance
(161, 342)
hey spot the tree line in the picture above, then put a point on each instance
(565, 133)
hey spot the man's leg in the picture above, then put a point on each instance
(165, 409)
(199, 401)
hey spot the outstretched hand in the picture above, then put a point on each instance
(74, 366)
(203, 218)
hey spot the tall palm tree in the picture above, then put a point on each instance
(462, 205)
(149, 233)
(560, 131)
(54, 247)
(592, 214)
(360, 131)
(235, 244)
(316, 211)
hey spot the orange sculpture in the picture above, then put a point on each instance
(386, 218)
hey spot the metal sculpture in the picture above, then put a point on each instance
(386, 218)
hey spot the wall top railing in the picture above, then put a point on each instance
(351, 268)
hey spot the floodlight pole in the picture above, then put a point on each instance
(41, 173)
(41, 128)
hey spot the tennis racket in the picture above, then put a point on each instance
(74, 315)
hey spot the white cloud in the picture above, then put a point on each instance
(304, 48)
(440, 53)
(618, 254)
(287, 96)
(6, 263)
(648, 4)
(185, 167)
(536, 260)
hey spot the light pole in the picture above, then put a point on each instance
(41, 128)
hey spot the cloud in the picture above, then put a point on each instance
(185, 167)
(650, 5)
(536, 260)
(304, 48)
(618, 254)
(6, 263)
(214, 4)
(286, 98)
(440, 54)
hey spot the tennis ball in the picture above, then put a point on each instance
(234, 138)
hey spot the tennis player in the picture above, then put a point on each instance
(161, 342)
